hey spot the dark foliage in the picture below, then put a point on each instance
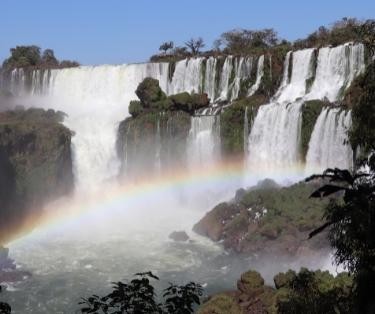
(316, 292)
(362, 132)
(5, 307)
(239, 41)
(139, 296)
(168, 45)
(351, 223)
(32, 56)
(195, 45)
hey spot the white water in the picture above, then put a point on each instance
(204, 141)
(274, 141)
(274, 137)
(327, 148)
(258, 80)
(336, 69)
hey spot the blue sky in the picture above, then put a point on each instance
(124, 31)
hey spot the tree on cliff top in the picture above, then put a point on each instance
(195, 45)
(168, 45)
(32, 56)
(239, 41)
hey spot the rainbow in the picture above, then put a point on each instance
(83, 206)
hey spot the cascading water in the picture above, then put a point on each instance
(274, 140)
(336, 68)
(204, 141)
(210, 77)
(186, 77)
(328, 147)
(260, 73)
(274, 137)
(242, 70)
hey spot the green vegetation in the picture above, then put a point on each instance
(362, 100)
(287, 207)
(32, 56)
(266, 217)
(309, 292)
(310, 112)
(35, 163)
(232, 124)
(153, 99)
(351, 223)
(138, 296)
(340, 32)
(313, 292)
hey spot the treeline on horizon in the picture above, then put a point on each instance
(234, 42)
(33, 57)
(255, 42)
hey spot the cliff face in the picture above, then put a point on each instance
(150, 141)
(35, 165)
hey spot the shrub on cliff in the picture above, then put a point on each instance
(189, 102)
(153, 99)
(135, 108)
(149, 92)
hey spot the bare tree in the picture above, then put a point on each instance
(168, 45)
(195, 45)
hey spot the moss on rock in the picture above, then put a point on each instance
(232, 124)
(35, 156)
(310, 113)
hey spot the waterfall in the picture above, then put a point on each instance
(210, 78)
(204, 141)
(186, 77)
(336, 68)
(274, 139)
(328, 147)
(301, 72)
(242, 71)
(273, 142)
(245, 131)
(260, 73)
(96, 99)
(225, 77)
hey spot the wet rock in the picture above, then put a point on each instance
(179, 236)
(5, 261)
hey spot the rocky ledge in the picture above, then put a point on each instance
(268, 219)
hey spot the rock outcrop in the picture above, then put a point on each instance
(35, 166)
(267, 220)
